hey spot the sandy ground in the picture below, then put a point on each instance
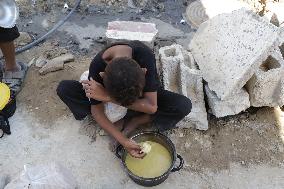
(242, 151)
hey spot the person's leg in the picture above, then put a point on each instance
(71, 92)
(8, 50)
(172, 108)
(7, 37)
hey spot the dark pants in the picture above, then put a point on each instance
(172, 107)
(9, 34)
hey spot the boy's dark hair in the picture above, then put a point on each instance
(124, 80)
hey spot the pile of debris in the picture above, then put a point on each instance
(235, 61)
(240, 59)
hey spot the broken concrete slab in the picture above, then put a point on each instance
(56, 63)
(51, 66)
(266, 87)
(180, 75)
(231, 106)
(171, 57)
(129, 31)
(230, 47)
(192, 87)
(64, 58)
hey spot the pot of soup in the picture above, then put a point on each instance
(158, 163)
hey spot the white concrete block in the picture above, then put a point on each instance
(192, 87)
(266, 87)
(129, 31)
(231, 106)
(229, 48)
(178, 77)
(171, 57)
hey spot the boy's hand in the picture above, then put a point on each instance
(95, 90)
(133, 148)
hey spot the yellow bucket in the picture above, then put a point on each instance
(4, 95)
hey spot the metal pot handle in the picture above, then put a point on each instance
(118, 151)
(180, 166)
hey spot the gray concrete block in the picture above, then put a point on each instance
(266, 87)
(229, 48)
(192, 87)
(40, 61)
(231, 106)
(129, 31)
(181, 76)
(51, 66)
(171, 58)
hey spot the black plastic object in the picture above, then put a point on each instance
(5, 114)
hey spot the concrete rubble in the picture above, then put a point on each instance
(227, 55)
(128, 30)
(180, 75)
(55, 64)
(266, 87)
(242, 67)
(231, 106)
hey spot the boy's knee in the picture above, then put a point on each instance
(185, 106)
(61, 88)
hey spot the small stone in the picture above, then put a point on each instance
(242, 162)
(51, 66)
(23, 39)
(36, 108)
(41, 61)
(31, 62)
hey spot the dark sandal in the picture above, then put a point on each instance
(15, 79)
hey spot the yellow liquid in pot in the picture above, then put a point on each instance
(154, 164)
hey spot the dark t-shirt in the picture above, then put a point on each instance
(141, 53)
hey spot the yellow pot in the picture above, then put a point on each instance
(4, 95)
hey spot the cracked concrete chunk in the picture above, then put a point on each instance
(266, 87)
(64, 58)
(56, 64)
(171, 57)
(51, 66)
(229, 48)
(231, 106)
(129, 31)
(192, 87)
(181, 76)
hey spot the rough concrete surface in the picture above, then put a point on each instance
(266, 87)
(56, 63)
(171, 57)
(192, 87)
(128, 30)
(231, 106)
(228, 54)
(180, 75)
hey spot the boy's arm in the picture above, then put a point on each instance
(148, 104)
(98, 114)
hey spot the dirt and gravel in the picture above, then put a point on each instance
(251, 143)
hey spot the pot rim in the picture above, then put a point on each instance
(174, 156)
